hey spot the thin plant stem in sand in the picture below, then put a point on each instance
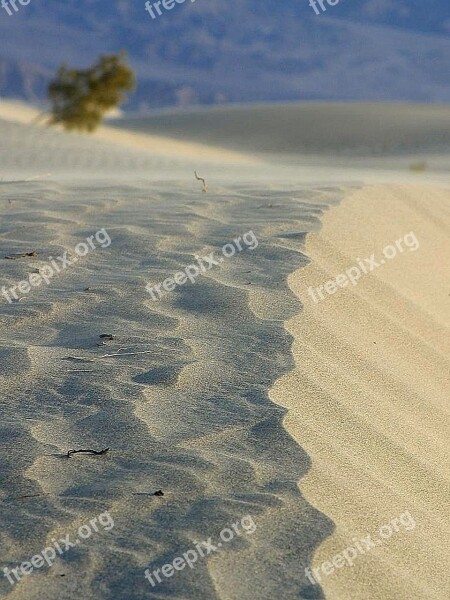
(126, 354)
(204, 186)
(26, 497)
(97, 453)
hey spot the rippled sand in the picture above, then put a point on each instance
(368, 399)
(181, 394)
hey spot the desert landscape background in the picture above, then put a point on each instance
(224, 300)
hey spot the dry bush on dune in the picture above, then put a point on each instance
(80, 98)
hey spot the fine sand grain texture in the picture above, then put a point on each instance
(178, 388)
(368, 399)
(179, 395)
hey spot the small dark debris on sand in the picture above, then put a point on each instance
(26, 255)
(27, 496)
(70, 452)
(159, 493)
(105, 337)
(78, 359)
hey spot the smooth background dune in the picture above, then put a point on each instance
(318, 142)
(368, 399)
(306, 128)
(313, 144)
(32, 151)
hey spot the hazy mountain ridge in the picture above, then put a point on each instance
(205, 53)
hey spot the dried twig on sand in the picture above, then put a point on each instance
(126, 354)
(204, 186)
(69, 454)
(26, 497)
(25, 255)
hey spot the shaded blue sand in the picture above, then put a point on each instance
(191, 417)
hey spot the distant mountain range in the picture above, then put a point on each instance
(215, 51)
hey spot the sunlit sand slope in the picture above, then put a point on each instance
(368, 399)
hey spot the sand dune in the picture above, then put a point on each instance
(180, 395)
(307, 128)
(29, 146)
(368, 399)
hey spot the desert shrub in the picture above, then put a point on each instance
(81, 97)
(419, 166)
